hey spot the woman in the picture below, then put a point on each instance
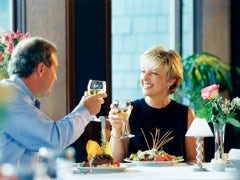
(161, 74)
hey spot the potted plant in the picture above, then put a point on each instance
(201, 70)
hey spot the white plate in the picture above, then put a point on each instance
(153, 163)
(98, 169)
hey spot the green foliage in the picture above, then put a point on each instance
(3, 69)
(201, 70)
(238, 70)
(219, 110)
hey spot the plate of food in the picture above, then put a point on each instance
(102, 163)
(153, 158)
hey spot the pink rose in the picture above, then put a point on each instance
(210, 92)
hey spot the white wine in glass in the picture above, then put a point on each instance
(95, 87)
(124, 109)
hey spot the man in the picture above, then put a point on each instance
(32, 71)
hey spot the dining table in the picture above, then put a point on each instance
(177, 171)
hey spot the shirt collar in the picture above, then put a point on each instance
(21, 83)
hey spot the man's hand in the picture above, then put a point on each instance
(93, 102)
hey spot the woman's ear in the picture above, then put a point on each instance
(171, 82)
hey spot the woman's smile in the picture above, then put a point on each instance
(147, 85)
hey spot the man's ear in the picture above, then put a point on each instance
(41, 69)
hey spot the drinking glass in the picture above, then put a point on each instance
(95, 87)
(124, 109)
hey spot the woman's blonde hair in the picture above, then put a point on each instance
(169, 60)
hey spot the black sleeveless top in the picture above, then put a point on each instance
(173, 118)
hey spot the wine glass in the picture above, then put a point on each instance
(124, 109)
(95, 87)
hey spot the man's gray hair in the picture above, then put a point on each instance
(28, 54)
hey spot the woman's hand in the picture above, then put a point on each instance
(114, 118)
(116, 121)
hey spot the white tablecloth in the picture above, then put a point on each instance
(179, 171)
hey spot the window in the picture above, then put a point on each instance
(6, 15)
(187, 28)
(138, 25)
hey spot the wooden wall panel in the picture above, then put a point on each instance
(216, 28)
(46, 18)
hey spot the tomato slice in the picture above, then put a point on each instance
(164, 157)
(159, 158)
(116, 163)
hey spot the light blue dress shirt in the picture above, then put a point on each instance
(26, 128)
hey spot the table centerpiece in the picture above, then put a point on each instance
(218, 111)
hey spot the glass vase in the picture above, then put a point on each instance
(219, 133)
(218, 162)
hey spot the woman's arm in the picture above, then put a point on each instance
(119, 145)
